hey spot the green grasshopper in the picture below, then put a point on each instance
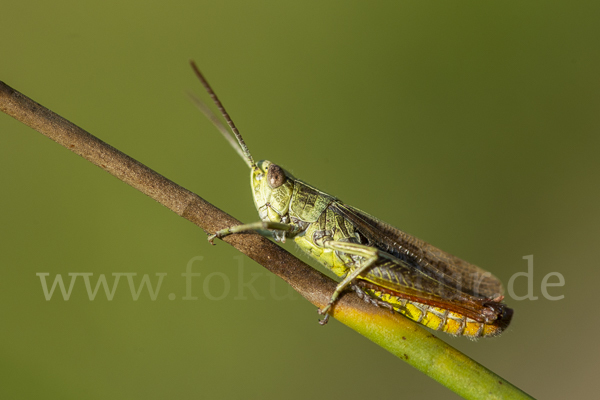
(385, 266)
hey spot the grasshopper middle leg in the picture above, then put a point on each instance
(370, 256)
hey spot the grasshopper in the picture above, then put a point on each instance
(383, 265)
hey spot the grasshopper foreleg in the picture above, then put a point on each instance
(276, 226)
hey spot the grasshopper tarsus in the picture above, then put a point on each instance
(324, 320)
(211, 238)
(219, 235)
(324, 311)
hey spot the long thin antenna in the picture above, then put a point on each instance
(220, 126)
(234, 130)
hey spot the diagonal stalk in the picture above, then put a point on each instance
(397, 334)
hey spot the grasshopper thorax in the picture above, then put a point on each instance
(272, 188)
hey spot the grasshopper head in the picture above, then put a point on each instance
(272, 188)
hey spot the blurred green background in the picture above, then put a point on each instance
(473, 125)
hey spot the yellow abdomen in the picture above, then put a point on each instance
(437, 318)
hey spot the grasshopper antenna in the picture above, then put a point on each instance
(219, 125)
(242, 149)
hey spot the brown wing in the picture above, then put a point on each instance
(421, 267)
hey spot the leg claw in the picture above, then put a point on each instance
(324, 311)
(211, 238)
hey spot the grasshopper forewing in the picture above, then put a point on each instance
(384, 265)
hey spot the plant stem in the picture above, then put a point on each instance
(402, 337)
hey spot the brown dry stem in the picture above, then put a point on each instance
(393, 332)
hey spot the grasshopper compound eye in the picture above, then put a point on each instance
(275, 176)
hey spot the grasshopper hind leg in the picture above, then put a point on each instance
(371, 300)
